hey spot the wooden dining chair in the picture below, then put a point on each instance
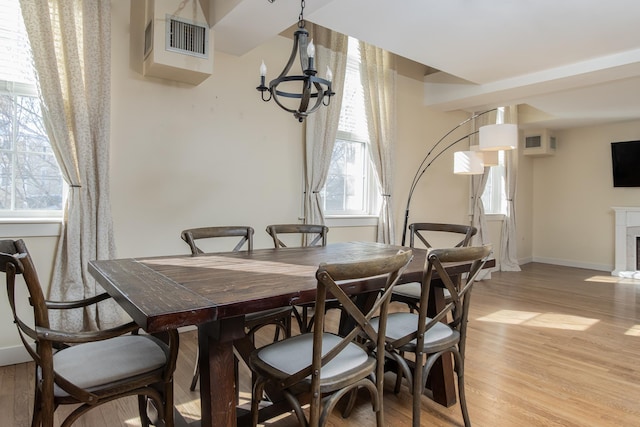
(86, 368)
(429, 235)
(322, 367)
(301, 235)
(427, 339)
(278, 317)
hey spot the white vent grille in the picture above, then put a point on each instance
(187, 37)
(534, 142)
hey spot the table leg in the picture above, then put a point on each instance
(441, 378)
(217, 379)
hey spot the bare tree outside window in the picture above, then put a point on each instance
(31, 183)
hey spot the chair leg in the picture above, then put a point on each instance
(353, 395)
(418, 386)
(302, 326)
(256, 397)
(396, 388)
(168, 404)
(37, 409)
(461, 394)
(142, 410)
(196, 372)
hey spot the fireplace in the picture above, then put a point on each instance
(627, 242)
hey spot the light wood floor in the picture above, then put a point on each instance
(549, 346)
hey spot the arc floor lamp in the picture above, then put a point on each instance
(493, 137)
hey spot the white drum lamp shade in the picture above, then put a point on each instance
(467, 163)
(498, 137)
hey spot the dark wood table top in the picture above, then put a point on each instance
(168, 292)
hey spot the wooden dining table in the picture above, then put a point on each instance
(215, 291)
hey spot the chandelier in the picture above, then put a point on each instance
(308, 91)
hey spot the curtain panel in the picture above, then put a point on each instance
(508, 245)
(71, 43)
(378, 72)
(322, 126)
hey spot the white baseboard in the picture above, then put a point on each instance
(576, 264)
(14, 355)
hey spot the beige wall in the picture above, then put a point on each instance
(573, 194)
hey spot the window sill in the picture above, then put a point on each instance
(30, 227)
(494, 217)
(352, 221)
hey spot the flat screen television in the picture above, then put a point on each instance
(626, 163)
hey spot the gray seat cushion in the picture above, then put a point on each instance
(412, 290)
(95, 364)
(293, 354)
(402, 324)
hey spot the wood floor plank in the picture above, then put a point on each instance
(549, 346)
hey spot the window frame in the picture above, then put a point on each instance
(19, 80)
(16, 89)
(371, 193)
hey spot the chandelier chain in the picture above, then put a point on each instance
(301, 22)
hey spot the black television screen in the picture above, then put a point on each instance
(626, 163)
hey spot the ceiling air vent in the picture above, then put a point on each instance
(186, 37)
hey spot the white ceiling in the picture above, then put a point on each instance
(576, 61)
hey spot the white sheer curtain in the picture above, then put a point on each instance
(379, 82)
(71, 43)
(322, 126)
(508, 248)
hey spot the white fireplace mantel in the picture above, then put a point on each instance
(627, 218)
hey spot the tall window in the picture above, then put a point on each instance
(351, 188)
(31, 183)
(494, 197)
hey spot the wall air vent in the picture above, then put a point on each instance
(540, 142)
(187, 37)
(172, 43)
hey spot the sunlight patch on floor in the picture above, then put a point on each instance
(510, 317)
(541, 320)
(634, 331)
(612, 279)
(189, 409)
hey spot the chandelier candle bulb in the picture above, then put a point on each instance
(263, 73)
(311, 53)
(329, 74)
(311, 49)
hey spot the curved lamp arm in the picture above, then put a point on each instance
(422, 168)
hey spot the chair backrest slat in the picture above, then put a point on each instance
(245, 233)
(311, 234)
(421, 230)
